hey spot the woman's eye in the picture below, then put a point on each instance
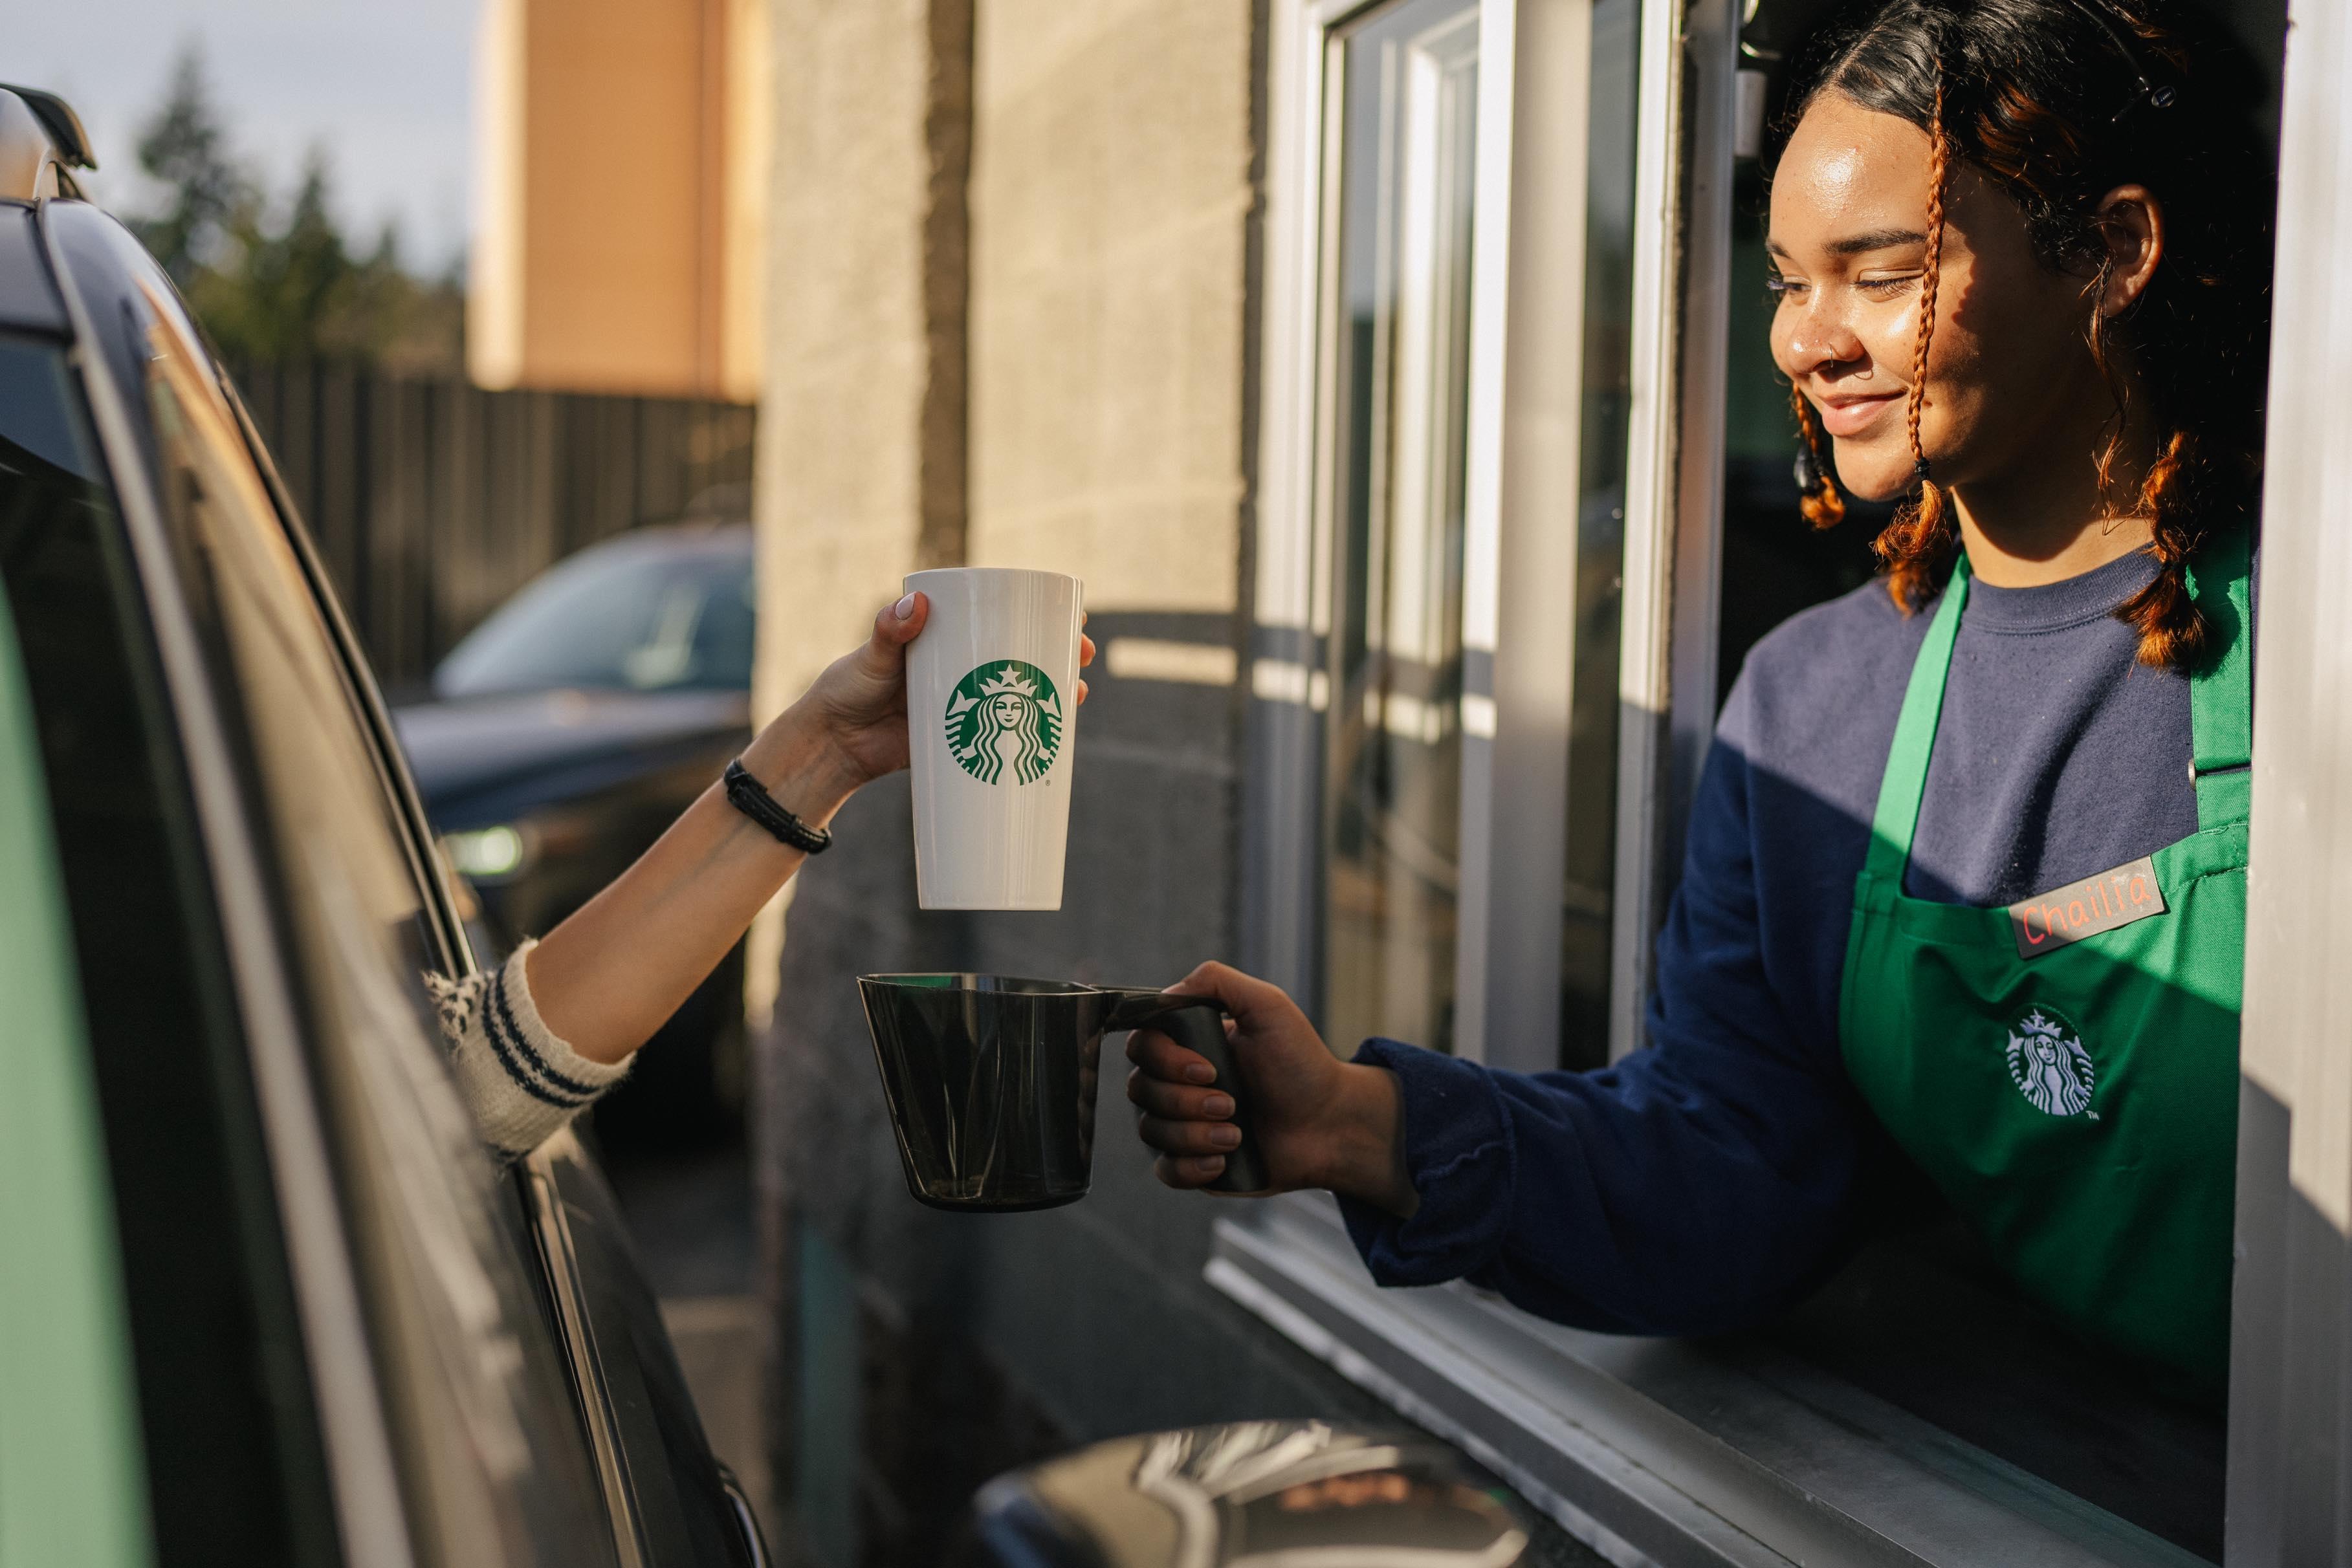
(1778, 287)
(1884, 287)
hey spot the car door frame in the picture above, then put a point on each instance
(538, 1181)
(368, 1502)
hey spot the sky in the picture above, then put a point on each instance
(384, 86)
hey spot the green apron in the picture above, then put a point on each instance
(2079, 1107)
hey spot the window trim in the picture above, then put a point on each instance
(1683, 174)
(2290, 1310)
(1662, 1452)
(1523, 457)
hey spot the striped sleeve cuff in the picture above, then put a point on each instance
(520, 1082)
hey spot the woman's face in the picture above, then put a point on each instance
(2009, 367)
(1008, 711)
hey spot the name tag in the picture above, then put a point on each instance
(2049, 921)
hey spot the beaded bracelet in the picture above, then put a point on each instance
(746, 795)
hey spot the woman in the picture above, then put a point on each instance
(2020, 260)
(543, 1035)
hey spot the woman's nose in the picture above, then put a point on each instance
(1812, 340)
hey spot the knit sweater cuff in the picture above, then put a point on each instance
(520, 1082)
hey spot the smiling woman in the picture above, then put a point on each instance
(2018, 250)
(2069, 220)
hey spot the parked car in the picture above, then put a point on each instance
(267, 1300)
(564, 733)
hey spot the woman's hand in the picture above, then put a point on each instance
(1318, 1121)
(857, 710)
(607, 976)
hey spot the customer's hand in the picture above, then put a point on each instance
(857, 710)
(1318, 1121)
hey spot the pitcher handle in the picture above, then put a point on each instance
(1198, 1024)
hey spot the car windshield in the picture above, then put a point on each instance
(637, 614)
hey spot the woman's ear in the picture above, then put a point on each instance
(2131, 221)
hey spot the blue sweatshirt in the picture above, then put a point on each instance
(1702, 1184)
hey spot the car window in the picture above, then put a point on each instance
(654, 613)
(492, 1454)
(235, 1467)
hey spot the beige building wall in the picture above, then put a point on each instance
(622, 154)
(1110, 203)
(860, 466)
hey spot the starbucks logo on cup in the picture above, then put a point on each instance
(2048, 1064)
(1004, 722)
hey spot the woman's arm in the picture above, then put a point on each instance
(612, 972)
(1689, 1188)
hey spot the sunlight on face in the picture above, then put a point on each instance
(1848, 240)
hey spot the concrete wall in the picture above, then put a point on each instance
(623, 144)
(1095, 316)
(1013, 322)
(1112, 192)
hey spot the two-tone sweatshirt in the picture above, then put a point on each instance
(1714, 1176)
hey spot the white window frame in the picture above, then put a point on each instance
(1521, 500)
(1656, 1452)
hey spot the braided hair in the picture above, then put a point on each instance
(2058, 102)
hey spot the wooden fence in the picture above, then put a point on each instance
(432, 500)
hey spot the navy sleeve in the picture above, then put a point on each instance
(1694, 1187)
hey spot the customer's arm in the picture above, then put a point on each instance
(542, 1037)
(611, 974)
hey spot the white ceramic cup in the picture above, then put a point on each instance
(991, 724)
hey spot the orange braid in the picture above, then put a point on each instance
(2172, 629)
(1822, 506)
(1914, 547)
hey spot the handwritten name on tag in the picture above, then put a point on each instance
(2049, 921)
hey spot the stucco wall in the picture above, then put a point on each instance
(1106, 328)
(1098, 324)
(841, 480)
(619, 142)
(1111, 195)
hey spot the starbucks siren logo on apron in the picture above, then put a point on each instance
(2048, 1064)
(1005, 722)
(2118, 1215)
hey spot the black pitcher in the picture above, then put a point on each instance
(990, 1081)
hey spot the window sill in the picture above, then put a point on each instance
(1657, 1451)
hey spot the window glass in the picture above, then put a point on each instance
(493, 1458)
(656, 611)
(1589, 892)
(234, 1470)
(1407, 87)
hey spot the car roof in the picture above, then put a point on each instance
(28, 296)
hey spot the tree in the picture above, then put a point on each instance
(285, 298)
(273, 282)
(185, 148)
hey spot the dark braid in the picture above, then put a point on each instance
(1917, 546)
(2057, 103)
(1821, 502)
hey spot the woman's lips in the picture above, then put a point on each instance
(1852, 416)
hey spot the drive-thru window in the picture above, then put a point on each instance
(1526, 500)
